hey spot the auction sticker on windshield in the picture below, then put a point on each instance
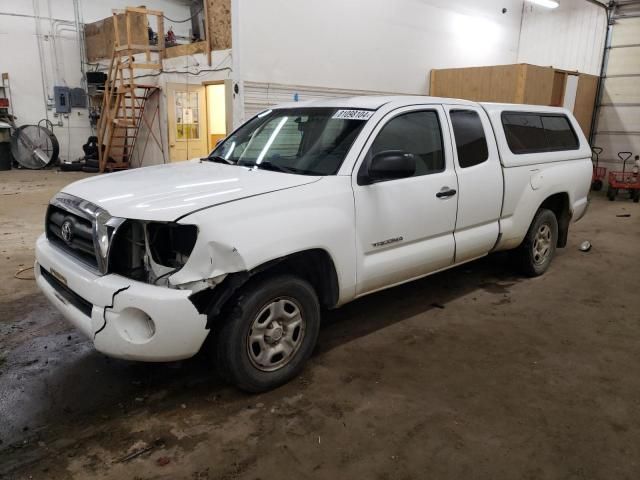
(353, 114)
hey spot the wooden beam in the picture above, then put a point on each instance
(207, 34)
(157, 13)
(140, 47)
(148, 66)
(117, 32)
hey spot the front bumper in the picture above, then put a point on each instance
(124, 318)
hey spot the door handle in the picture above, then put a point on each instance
(446, 192)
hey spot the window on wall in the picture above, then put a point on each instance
(471, 142)
(187, 115)
(534, 132)
(417, 133)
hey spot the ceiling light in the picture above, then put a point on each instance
(546, 3)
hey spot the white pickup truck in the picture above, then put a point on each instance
(306, 206)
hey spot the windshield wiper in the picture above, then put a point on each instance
(266, 165)
(219, 159)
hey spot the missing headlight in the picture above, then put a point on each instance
(171, 244)
(150, 251)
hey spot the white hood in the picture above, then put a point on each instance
(167, 192)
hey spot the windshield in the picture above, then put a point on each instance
(308, 141)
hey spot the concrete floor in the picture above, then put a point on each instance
(472, 373)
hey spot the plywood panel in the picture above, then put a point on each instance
(623, 60)
(621, 90)
(483, 84)
(538, 85)
(187, 49)
(100, 35)
(626, 32)
(219, 12)
(558, 88)
(585, 101)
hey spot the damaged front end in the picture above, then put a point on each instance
(151, 252)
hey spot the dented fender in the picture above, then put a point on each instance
(209, 262)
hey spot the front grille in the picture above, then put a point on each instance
(69, 295)
(79, 234)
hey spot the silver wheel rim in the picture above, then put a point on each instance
(276, 334)
(542, 244)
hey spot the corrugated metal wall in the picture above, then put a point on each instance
(570, 37)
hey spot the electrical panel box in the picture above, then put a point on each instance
(78, 98)
(62, 99)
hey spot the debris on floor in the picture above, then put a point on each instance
(585, 246)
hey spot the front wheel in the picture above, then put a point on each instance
(269, 334)
(612, 193)
(539, 245)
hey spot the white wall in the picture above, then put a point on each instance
(377, 45)
(61, 53)
(570, 37)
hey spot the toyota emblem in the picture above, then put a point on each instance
(66, 230)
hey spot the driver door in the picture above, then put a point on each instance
(405, 226)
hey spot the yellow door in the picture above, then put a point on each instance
(187, 121)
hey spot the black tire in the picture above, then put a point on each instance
(596, 186)
(90, 169)
(532, 261)
(90, 162)
(235, 354)
(71, 167)
(612, 193)
(636, 196)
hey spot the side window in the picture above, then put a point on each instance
(531, 133)
(417, 133)
(559, 134)
(471, 142)
(524, 132)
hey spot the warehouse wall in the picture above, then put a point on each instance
(61, 58)
(371, 44)
(570, 37)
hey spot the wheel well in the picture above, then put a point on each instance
(315, 266)
(559, 205)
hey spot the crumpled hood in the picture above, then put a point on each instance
(167, 192)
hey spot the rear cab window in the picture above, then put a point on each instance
(532, 132)
(471, 141)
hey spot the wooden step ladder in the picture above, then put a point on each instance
(124, 100)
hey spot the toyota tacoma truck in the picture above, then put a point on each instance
(305, 207)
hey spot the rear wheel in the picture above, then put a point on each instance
(539, 245)
(269, 334)
(612, 193)
(596, 186)
(636, 196)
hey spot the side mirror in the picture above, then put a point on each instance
(390, 165)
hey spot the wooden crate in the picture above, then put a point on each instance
(518, 83)
(100, 36)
